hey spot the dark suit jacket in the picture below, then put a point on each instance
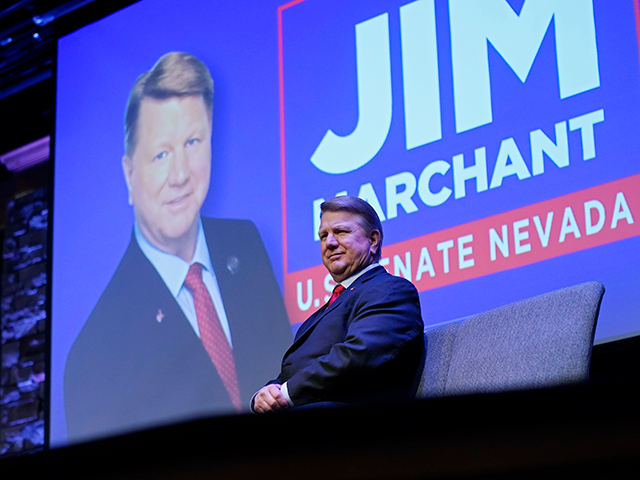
(368, 345)
(129, 370)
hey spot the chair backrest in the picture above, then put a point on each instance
(538, 342)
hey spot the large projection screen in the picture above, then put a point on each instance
(495, 138)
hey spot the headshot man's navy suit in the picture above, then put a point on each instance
(193, 318)
(367, 343)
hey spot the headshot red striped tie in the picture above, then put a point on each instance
(211, 333)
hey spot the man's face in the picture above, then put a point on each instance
(345, 247)
(169, 171)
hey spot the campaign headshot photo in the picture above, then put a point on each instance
(192, 322)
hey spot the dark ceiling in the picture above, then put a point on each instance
(26, 41)
(27, 93)
(26, 67)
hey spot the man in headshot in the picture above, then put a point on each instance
(193, 318)
(367, 342)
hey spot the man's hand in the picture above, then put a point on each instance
(269, 399)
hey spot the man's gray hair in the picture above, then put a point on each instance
(366, 215)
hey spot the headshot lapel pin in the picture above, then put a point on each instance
(233, 264)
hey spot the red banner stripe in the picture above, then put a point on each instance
(577, 221)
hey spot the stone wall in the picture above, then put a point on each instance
(23, 324)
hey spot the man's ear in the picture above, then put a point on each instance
(374, 240)
(127, 169)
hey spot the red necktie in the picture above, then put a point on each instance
(336, 293)
(212, 335)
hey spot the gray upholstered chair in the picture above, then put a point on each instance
(538, 342)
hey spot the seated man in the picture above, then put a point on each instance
(366, 343)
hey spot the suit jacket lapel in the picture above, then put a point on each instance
(232, 267)
(167, 320)
(229, 282)
(164, 306)
(308, 326)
